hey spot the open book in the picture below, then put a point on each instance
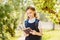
(26, 30)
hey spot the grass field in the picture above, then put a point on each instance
(51, 35)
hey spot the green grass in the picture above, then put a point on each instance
(51, 35)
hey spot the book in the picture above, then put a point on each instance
(28, 30)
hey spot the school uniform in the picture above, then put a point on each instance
(34, 24)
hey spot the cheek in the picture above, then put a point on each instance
(29, 14)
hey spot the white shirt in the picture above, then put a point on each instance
(31, 20)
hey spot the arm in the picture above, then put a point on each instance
(40, 29)
(40, 32)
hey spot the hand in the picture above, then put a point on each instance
(33, 32)
(27, 35)
(27, 30)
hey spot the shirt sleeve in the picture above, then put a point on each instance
(39, 25)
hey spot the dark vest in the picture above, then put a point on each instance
(33, 26)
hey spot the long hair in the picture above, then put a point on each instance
(33, 9)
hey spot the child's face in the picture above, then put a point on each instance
(30, 13)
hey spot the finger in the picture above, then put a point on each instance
(27, 34)
(30, 32)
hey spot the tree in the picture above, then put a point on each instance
(9, 15)
(48, 6)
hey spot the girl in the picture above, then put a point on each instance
(34, 24)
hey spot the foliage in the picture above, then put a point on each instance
(48, 6)
(9, 16)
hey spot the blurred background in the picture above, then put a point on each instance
(13, 14)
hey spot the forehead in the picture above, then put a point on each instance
(29, 10)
